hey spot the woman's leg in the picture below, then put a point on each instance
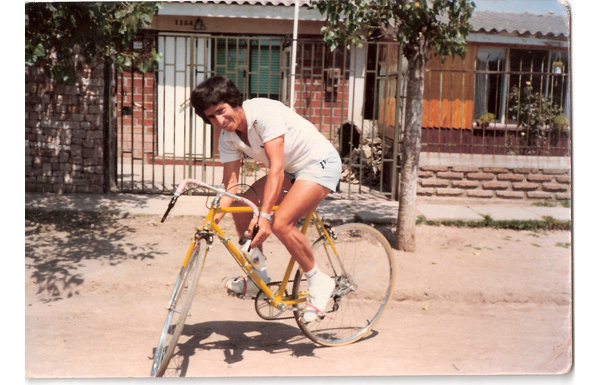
(242, 221)
(299, 201)
(302, 197)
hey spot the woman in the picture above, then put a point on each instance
(300, 160)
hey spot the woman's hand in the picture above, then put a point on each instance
(264, 230)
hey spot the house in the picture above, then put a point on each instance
(351, 96)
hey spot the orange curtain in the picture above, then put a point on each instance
(448, 92)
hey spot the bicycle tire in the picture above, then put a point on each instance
(178, 310)
(364, 271)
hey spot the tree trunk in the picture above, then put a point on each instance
(411, 149)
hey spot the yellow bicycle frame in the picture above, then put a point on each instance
(278, 299)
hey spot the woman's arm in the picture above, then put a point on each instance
(273, 185)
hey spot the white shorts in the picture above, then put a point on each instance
(327, 172)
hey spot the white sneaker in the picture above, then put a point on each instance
(318, 296)
(241, 286)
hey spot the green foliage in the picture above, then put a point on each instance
(487, 118)
(534, 112)
(560, 121)
(548, 223)
(98, 29)
(552, 203)
(442, 24)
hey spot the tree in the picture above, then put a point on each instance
(440, 26)
(99, 30)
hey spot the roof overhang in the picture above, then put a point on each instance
(273, 10)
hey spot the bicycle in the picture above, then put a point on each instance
(356, 256)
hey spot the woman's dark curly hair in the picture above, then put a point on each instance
(214, 90)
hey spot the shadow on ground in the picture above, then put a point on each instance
(57, 243)
(86, 202)
(234, 338)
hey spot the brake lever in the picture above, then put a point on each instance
(171, 205)
(254, 232)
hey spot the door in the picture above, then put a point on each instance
(186, 62)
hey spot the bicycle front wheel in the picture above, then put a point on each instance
(362, 265)
(178, 309)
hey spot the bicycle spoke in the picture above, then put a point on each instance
(364, 280)
(178, 310)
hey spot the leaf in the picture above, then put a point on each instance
(476, 253)
(425, 306)
(39, 50)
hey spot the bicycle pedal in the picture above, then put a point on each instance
(232, 293)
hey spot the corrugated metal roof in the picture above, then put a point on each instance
(522, 23)
(286, 3)
(525, 23)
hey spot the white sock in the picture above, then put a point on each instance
(311, 275)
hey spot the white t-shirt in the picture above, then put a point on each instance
(268, 119)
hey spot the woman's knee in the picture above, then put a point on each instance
(280, 226)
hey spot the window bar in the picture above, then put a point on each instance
(541, 125)
(462, 124)
(131, 128)
(504, 106)
(496, 109)
(509, 137)
(397, 117)
(426, 141)
(210, 71)
(481, 146)
(344, 94)
(325, 79)
(164, 120)
(143, 108)
(449, 143)
(188, 118)
(154, 119)
(470, 140)
(119, 76)
(440, 144)
(351, 100)
(546, 134)
(387, 87)
(321, 108)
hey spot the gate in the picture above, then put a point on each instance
(350, 96)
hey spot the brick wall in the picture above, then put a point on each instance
(494, 182)
(321, 100)
(314, 105)
(64, 142)
(135, 113)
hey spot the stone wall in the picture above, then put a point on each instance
(505, 177)
(64, 139)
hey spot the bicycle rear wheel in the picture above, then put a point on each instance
(363, 270)
(178, 309)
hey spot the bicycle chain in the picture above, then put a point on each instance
(258, 298)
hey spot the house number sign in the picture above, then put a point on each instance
(196, 24)
(184, 23)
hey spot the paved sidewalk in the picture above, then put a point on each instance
(367, 211)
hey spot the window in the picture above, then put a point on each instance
(252, 64)
(232, 61)
(546, 71)
(490, 86)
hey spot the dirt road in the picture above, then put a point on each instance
(467, 302)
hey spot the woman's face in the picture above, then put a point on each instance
(225, 117)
